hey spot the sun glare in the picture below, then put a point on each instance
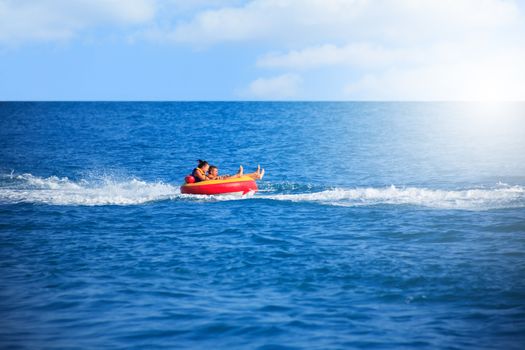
(492, 83)
(488, 119)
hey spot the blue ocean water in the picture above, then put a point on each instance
(377, 226)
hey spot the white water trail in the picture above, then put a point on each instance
(27, 188)
(62, 191)
(502, 196)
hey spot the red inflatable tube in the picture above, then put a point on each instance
(241, 185)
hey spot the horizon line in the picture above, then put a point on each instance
(258, 101)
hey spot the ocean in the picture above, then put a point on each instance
(378, 225)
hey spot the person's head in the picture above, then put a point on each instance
(203, 165)
(213, 170)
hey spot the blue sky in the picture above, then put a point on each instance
(262, 50)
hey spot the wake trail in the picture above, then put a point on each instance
(53, 190)
(501, 196)
(27, 188)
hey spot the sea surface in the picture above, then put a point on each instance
(377, 226)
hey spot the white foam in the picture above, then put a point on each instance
(106, 191)
(502, 196)
(54, 190)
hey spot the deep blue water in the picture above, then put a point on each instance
(377, 226)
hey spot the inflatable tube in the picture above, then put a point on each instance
(240, 185)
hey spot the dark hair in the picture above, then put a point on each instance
(212, 167)
(202, 163)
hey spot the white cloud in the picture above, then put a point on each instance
(273, 20)
(361, 54)
(177, 7)
(308, 21)
(492, 78)
(476, 70)
(391, 49)
(397, 49)
(281, 87)
(290, 22)
(49, 20)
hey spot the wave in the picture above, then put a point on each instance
(53, 190)
(27, 188)
(501, 196)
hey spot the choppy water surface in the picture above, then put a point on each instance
(378, 225)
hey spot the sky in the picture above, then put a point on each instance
(364, 50)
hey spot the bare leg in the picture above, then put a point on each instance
(257, 175)
(239, 173)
